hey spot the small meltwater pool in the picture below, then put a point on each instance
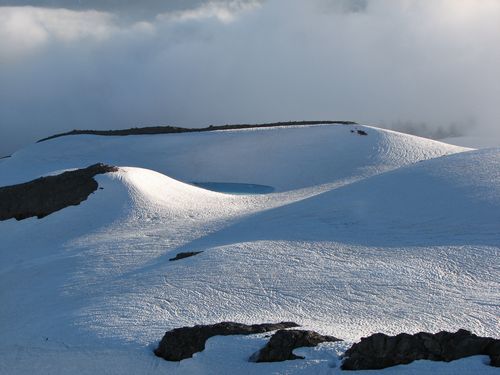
(235, 188)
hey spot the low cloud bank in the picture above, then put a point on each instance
(430, 68)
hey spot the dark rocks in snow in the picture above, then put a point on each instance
(185, 255)
(176, 129)
(379, 351)
(46, 195)
(281, 345)
(359, 132)
(182, 343)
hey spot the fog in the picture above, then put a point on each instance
(426, 67)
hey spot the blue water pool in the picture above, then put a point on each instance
(235, 188)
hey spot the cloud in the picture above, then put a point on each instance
(343, 6)
(119, 6)
(221, 11)
(26, 29)
(426, 66)
(127, 10)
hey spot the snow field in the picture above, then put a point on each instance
(360, 237)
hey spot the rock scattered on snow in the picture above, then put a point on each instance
(379, 351)
(359, 132)
(281, 345)
(185, 255)
(46, 195)
(182, 343)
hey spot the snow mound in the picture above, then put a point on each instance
(283, 158)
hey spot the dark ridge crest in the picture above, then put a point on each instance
(175, 129)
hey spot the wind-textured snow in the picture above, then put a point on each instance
(379, 233)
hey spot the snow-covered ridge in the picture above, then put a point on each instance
(285, 158)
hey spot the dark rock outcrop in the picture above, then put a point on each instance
(359, 132)
(379, 351)
(182, 343)
(281, 345)
(46, 195)
(185, 255)
(493, 351)
(176, 129)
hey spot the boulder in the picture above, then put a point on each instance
(182, 343)
(379, 351)
(185, 255)
(281, 345)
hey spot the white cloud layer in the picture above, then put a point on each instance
(26, 29)
(221, 11)
(393, 63)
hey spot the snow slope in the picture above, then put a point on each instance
(447, 200)
(361, 237)
(285, 158)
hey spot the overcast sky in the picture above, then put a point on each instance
(426, 66)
